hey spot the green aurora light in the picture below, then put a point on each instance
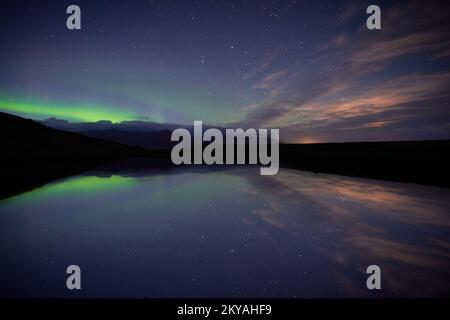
(77, 113)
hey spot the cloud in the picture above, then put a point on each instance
(382, 50)
(265, 64)
(363, 85)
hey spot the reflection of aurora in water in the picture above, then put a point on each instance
(223, 234)
(79, 184)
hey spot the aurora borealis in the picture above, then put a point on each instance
(77, 113)
(310, 68)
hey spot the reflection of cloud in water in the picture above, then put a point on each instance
(292, 234)
(404, 228)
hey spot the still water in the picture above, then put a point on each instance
(232, 233)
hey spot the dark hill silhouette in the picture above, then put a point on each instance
(424, 162)
(33, 154)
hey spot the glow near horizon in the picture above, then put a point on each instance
(65, 111)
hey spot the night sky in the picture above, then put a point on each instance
(310, 68)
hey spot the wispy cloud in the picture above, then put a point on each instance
(360, 83)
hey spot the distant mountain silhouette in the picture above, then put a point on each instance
(33, 154)
(129, 126)
(150, 135)
(150, 140)
(144, 134)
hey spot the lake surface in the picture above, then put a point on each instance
(233, 233)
